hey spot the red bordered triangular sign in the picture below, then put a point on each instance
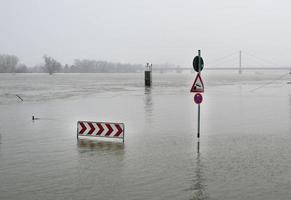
(198, 85)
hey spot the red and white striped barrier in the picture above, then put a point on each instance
(100, 129)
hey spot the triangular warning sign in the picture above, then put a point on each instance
(198, 85)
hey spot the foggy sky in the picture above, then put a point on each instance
(140, 31)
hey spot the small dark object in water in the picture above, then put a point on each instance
(34, 118)
(19, 97)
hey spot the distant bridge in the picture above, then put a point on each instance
(240, 70)
(180, 69)
(231, 60)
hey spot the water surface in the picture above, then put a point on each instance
(244, 150)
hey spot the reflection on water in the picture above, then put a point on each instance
(148, 104)
(290, 112)
(0, 141)
(198, 186)
(85, 145)
(198, 147)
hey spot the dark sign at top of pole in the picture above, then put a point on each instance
(196, 64)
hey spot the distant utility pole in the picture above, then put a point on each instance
(240, 70)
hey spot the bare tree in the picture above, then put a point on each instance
(51, 65)
(8, 63)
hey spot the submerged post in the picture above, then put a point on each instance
(148, 75)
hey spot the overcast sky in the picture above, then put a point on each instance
(140, 31)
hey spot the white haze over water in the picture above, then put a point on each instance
(43, 88)
(132, 31)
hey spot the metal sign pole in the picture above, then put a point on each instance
(198, 133)
(198, 126)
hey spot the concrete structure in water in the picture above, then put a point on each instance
(148, 75)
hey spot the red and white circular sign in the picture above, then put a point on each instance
(198, 98)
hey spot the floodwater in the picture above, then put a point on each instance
(244, 150)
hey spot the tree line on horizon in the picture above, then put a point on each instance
(11, 64)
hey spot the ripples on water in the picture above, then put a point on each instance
(244, 151)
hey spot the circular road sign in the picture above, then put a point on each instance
(196, 63)
(198, 98)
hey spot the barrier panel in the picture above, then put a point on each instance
(100, 129)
